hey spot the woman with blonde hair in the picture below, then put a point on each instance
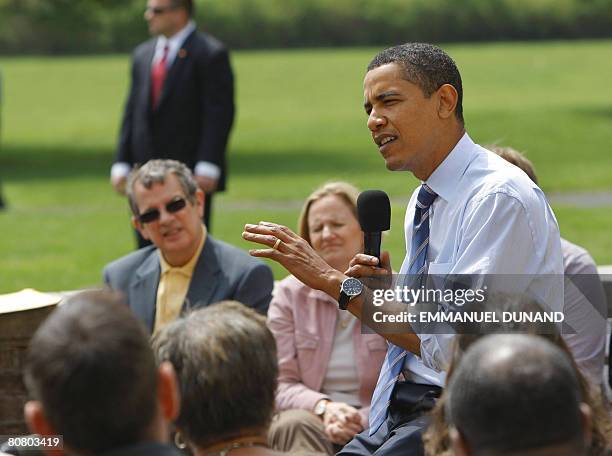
(328, 367)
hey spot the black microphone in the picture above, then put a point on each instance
(374, 214)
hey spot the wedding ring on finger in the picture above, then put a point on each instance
(276, 244)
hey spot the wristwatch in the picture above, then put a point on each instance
(350, 288)
(320, 407)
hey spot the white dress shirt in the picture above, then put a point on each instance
(174, 43)
(489, 218)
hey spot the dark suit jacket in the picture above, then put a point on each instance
(222, 272)
(195, 112)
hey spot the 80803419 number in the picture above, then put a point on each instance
(34, 441)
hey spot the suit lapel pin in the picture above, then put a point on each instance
(182, 53)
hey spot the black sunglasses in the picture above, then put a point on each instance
(173, 206)
(159, 9)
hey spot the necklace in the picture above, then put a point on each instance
(236, 445)
(344, 318)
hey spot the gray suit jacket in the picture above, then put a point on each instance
(222, 272)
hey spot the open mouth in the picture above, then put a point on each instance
(385, 140)
(171, 233)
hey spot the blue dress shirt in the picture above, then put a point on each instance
(489, 218)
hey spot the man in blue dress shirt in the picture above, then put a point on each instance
(475, 214)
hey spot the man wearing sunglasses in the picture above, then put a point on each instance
(181, 100)
(186, 268)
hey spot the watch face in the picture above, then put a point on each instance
(352, 286)
(320, 407)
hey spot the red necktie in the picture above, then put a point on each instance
(158, 75)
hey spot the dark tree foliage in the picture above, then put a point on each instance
(86, 26)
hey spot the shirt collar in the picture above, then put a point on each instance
(176, 40)
(187, 268)
(445, 178)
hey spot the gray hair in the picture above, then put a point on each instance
(225, 359)
(155, 172)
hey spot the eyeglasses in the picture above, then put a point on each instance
(154, 214)
(159, 9)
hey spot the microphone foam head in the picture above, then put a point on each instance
(374, 211)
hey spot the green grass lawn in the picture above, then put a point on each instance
(300, 122)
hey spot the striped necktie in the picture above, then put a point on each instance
(392, 366)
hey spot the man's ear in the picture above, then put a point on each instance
(36, 419)
(587, 423)
(448, 96)
(168, 394)
(199, 195)
(458, 443)
(140, 227)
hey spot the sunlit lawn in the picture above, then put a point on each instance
(300, 122)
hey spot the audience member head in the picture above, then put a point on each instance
(187, 5)
(328, 222)
(426, 66)
(167, 17)
(436, 438)
(92, 377)
(167, 208)
(225, 359)
(516, 158)
(516, 394)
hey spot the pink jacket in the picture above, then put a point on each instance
(303, 322)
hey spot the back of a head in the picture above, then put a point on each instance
(91, 366)
(225, 359)
(515, 393)
(185, 4)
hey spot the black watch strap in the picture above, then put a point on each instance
(350, 288)
(343, 300)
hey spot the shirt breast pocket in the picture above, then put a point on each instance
(306, 346)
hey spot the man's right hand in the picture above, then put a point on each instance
(118, 184)
(295, 254)
(363, 265)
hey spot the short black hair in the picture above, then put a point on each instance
(529, 387)
(186, 4)
(425, 65)
(91, 366)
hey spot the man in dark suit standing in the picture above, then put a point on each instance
(181, 100)
(186, 268)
